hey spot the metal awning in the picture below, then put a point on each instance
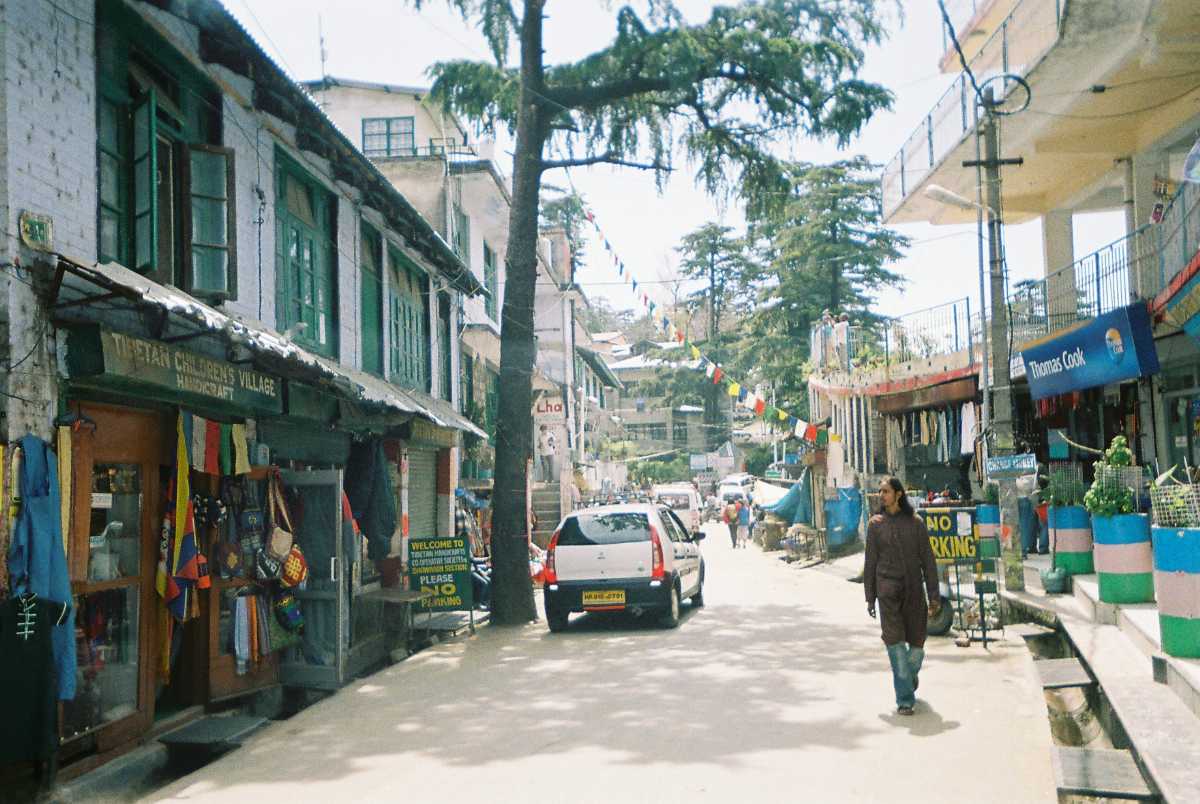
(597, 364)
(266, 347)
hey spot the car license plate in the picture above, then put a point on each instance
(608, 597)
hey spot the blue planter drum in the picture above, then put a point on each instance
(1124, 558)
(1177, 587)
(1070, 529)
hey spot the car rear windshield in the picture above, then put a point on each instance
(678, 502)
(615, 528)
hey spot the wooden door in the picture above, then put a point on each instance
(112, 542)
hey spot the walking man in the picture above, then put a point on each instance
(546, 448)
(729, 516)
(899, 570)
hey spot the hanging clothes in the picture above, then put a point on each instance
(372, 499)
(37, 563)
(967, 445)
(27, 678)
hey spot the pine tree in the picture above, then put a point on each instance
(719, 92)
(828, 248)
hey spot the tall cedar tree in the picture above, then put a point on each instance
(828, 247)
(713, 255)
(718, 92)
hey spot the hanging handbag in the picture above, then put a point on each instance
(279, 542)
(250, 518)
(287, 611)
(266, 567)
(295, 568)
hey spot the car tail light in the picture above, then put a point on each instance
(656, 555)
(551, 576)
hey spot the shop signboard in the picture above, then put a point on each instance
(1110, 348)
(999, 466)
(441, 566)
(952, 533)
(161, 371)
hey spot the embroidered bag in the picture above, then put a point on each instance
(279, 542)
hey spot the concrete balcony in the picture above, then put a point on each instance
(1109, 79)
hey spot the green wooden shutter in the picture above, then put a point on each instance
(210, 230)
(112, 128)
(145, 183)
(371, 293)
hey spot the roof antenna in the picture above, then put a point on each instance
(324, 54)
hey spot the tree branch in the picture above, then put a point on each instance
(606, 158)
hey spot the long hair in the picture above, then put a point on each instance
(898, 487)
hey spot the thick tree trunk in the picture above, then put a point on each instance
(512, 591)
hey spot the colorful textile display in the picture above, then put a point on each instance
(215, 448)
(182, 568)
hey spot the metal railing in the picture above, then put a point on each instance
(1138, 266)
(1027, 34)
(941, 330)
(453, 152)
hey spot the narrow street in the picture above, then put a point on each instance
(778, 690)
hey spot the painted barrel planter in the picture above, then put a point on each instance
(1177, 587)
(1124, 558)
(987, 524)
(1071, 539)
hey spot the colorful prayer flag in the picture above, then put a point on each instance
(695, 353)
(717, 375)
(783, 415)
(810, 433)
(759, 406)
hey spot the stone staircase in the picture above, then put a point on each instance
(547, 504)
(1155, 697)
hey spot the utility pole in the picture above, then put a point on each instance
(712, 406)
(1001, 424)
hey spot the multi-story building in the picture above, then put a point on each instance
(644, 414)
(1104, 118)
(201, 270)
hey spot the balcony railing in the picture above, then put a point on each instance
(1138, 265)
(453, 152)
(1027, 34)
(942, 330)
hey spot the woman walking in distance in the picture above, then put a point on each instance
(899, 570)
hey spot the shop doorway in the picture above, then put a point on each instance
(1183, 430)
(319, 662)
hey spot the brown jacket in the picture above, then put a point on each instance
(898, 550)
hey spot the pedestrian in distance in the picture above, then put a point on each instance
(546, 449)
(743, 520)
(729, 517)
(899, 571)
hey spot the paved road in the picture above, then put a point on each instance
(778, 690)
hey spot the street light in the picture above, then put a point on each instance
(935, 192)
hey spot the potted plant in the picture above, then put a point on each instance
(1122, 553)
(987, 521)
(1176, 546)
(1068, 522)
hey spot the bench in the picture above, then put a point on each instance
(210, 735)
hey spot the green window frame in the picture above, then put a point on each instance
(408, 323)
(491, 282)
(462, 235)
(445, 370)
(305, 263)
(370, 272)
(166, 202)
(389, 136)
(492, 401)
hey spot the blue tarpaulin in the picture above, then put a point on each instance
(796, 505)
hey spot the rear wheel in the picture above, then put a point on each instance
(670, 618)
(940, 623)
(557, 620)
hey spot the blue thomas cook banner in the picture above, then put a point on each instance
(1109, 348)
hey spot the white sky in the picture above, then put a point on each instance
(387, 41)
